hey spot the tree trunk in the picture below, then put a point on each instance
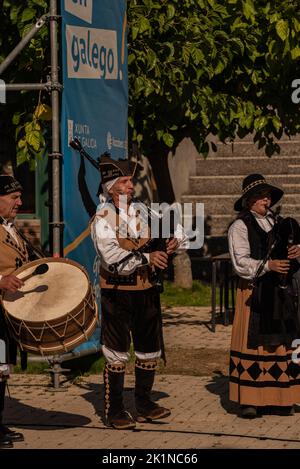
(158, 158)
(183, 271)
(159, 162)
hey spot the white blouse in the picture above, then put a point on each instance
(239, 246)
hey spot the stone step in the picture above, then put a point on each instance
(218, 179)
(249, 138)
(223, 204)
(291, 188)
(232, 184)
(217, 225)
(248, 148)
(289, 208)
(247, 165)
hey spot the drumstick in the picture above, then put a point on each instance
(39, 270)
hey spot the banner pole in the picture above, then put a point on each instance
(56, 155)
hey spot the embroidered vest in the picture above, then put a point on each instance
(12, 254)
(259, 239)
(144, 276)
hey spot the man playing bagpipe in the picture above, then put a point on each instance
(130, 302)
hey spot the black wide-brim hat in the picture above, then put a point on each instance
(253, 184)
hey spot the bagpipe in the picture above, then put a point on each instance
(76, 145)
(285, 233)
(156, 222)
(275, 306)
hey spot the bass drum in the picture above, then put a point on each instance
(53, 312)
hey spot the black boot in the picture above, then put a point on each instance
(115, 414)
(248, 412)
(4, 441)
(144, 379)
(2, 397)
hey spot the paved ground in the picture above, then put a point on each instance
(202, 416)
(190, 326)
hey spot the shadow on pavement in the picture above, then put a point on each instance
(184, 319)
(219, 385)
(23, 416)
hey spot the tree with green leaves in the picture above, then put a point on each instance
(198, 67)
(195, 67)
(23, 119)
(207, 66)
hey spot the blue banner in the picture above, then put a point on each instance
(94, 109)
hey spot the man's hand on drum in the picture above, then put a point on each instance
(159, 259)
(10, 283)
(294, 251)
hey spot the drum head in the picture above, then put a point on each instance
(50, 295)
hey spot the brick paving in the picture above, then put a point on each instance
(191, 325)
(202, 416)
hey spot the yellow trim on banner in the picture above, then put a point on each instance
(77, 241)
(123, 38)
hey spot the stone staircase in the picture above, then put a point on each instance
(218, 180)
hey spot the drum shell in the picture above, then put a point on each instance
(58, 335)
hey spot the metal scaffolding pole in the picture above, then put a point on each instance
(54, 87)
(27, 38)
(28, 86)
(56, 155)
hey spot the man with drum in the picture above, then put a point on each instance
(130, 303)
(13, 254)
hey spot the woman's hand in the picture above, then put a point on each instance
(279, 265)
(293, 252)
